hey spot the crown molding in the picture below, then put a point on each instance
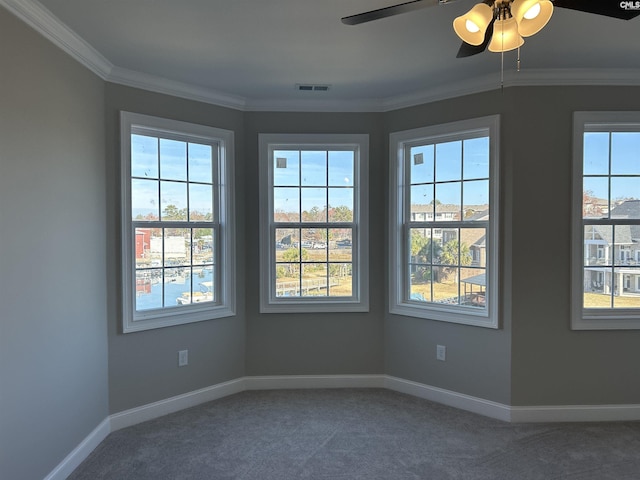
(49, 26)
(152, 83)
(512, 78)
(44, 22)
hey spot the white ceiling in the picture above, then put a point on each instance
(254, 52)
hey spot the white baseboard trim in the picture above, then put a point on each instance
(576, 413)
(282, 382)
(450, 398)
(150, 411)
(80, 453)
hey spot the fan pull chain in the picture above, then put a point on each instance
(518, 62)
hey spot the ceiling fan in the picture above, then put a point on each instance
(501, 24)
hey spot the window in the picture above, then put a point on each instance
(444, 222)
(606, 221)
(313, 191)
(177, 222)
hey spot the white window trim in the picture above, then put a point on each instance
(226, 259)
(269, 303)
(581, 318)
(397, 302)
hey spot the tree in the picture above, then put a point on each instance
(590, 207)
(455, 254)
(171, 212)
(292, 255)
(423, 248)
(340, 214)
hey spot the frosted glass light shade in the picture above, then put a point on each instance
(531, 15)
(472, 26)
(505, 36)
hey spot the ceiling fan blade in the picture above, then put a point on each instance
(468, 50)
(608, 8)
(390, 11)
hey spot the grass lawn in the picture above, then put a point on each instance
(599, 300)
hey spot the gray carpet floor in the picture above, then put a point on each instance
(358, 434)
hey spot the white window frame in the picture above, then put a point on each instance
(591, 318)
(359, 301)
(399, 304)
(225, 255)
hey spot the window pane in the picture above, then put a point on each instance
(597, 239)
(148, 289)
(473, 245)
(476, 158)
(314, 244)
(595, 197)
(341, 205)
(314, 280)
(340, 244)
(203, 289)
(448, 202)
(144, 200)
(622, 190)
(448, 161)
(626, 209)
(420, 283)
(340, 279)
(626, 294)
(148, 247)
(202, 246)
(200, 163)
(176, 251)
(287, 279)
(624, 245)
(474, 287)
(173, 160)
(200, 202)
(422, 203)
(476, 200)
(625, 153)
(314, 204)
(286, 168)
(177, 283)
(286, 204)
(423, 248)
(341, 168)
(173, 196)
(445, 285)
(144, 156)
(596, 153)
(287, 244)
(314, 168)
(422, 163)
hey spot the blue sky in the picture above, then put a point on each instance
(466, 160)
(170, 165)
(314, 171)
(624, 159)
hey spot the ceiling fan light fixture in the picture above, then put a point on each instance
(505, 36)
(531, 15)
(471, 26)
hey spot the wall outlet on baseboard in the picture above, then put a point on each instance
(441, 352)
(183, 358)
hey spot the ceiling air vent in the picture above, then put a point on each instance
(307, 87)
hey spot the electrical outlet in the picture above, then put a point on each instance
(183, 358)
(441, 352)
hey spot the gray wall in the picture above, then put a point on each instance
(143, 366)
(290, 344)
(53, 336)
(478, 359)
(552, 365)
